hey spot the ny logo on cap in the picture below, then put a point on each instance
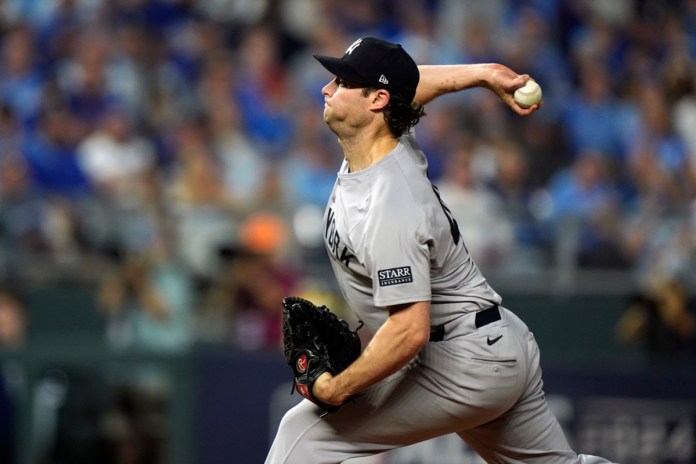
(353, 46)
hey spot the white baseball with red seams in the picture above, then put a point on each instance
(528, 95)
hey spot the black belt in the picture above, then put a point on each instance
(483, 317)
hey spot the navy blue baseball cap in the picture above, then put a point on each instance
(376, 63)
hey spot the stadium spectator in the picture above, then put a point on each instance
(241, 306)
(51, 154)
(114, 157)
(10, 132)
(584, 213)
(486, 230)
(262, 91)
(513, 185)
(14, 319)
(147, 301)
(204, 213)
(242, 163)
(662, 319)
(592, 115)
(21, 213)
(21, 80)
(14, 322)
(311, 164)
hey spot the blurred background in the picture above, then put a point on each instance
(163, 172)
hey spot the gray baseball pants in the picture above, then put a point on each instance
(490, 394)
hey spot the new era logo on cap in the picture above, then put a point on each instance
(368, 61)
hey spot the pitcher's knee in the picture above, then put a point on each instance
(293, 442)
(300, 418)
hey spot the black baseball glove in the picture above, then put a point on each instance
(315, 341)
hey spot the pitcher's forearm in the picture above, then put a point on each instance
(436, 80)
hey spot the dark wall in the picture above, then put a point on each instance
(224, 405)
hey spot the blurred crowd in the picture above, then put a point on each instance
(173, 151)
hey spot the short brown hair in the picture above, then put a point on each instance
(399, 114)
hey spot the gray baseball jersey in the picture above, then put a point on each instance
(392, 240)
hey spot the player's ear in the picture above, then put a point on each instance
(379, 99)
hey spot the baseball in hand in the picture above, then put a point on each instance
(528, 95)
